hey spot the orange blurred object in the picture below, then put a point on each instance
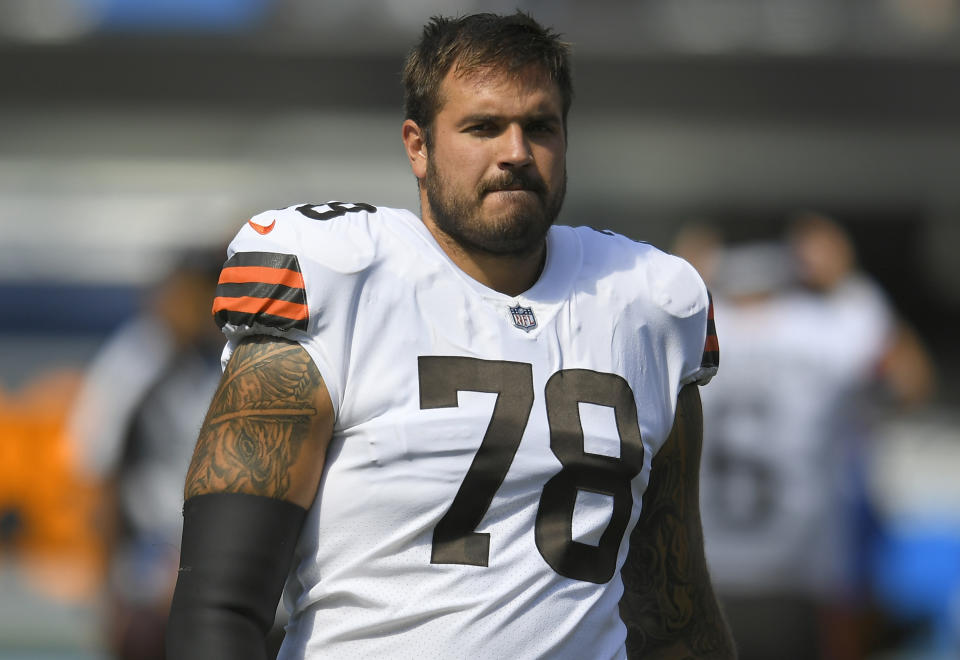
(47, 512)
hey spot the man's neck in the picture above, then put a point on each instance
(509, 274)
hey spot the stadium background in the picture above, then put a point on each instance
(132, 129)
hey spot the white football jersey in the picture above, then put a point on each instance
(489, 451)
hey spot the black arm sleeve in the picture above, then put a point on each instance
(234, 560)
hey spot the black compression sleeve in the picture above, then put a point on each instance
(235, 556)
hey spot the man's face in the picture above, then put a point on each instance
(823, 254)
(496, 170)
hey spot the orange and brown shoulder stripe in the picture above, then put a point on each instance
(261, 289)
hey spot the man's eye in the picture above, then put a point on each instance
(480, 128)
(540, 127)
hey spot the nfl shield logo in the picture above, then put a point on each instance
(523, 318)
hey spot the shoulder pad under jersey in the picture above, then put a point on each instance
(674, 287)
(277, 254)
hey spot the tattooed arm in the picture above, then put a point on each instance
(668, 604)
(267, 429)
(255, 471)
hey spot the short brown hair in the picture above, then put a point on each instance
(512, 42)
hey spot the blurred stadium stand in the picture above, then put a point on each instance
(130, 129)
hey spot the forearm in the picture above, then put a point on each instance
(671, 611)
(668, 605)
(236, 553)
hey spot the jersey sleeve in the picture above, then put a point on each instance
(296, 273)
(681, 294)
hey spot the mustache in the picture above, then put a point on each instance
(511, 180)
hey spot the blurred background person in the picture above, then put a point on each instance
(826, 264)
(807, 337)
(136, 421)
(877, 615)
(772, 468)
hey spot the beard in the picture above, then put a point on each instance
(518, 230)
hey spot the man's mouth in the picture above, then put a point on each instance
(512, 186)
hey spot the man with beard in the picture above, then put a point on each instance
(437, 430)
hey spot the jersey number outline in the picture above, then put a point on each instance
(334, 209)
(454, 538)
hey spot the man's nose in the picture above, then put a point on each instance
(515, 149)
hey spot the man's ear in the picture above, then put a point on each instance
(415, 143)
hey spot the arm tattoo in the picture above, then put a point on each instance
(668, 605)
(258, 422)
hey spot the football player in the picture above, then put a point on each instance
(470, 433)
